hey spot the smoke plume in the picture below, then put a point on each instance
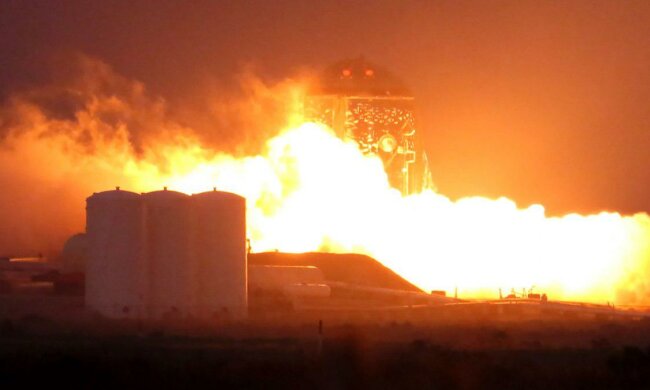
(87, 128)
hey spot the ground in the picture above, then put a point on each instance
(39, 346)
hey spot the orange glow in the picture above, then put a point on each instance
(309, 190)
(312, 191)
(387, 144)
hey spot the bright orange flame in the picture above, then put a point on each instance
(307, 191)
(313, 191)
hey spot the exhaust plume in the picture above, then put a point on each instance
(306, 189)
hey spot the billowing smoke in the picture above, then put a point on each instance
(88, 129)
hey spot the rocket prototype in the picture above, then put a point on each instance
(368, 104)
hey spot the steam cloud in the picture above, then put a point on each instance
(90, 129)
(84, 128)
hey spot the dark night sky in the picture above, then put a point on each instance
(538, 101)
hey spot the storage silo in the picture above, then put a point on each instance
(74, 254)
(115, 281)
(219, 241)
(169, 253)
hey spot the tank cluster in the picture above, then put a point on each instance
(165, 254)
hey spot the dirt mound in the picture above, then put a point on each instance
(346, 268)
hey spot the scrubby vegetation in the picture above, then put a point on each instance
(533, 355)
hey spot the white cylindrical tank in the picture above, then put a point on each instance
(74, 254)
(169, 253)
(276, 277)
(219, 242)
(114, 236)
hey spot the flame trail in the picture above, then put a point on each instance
(307, 190)
(312, 191)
